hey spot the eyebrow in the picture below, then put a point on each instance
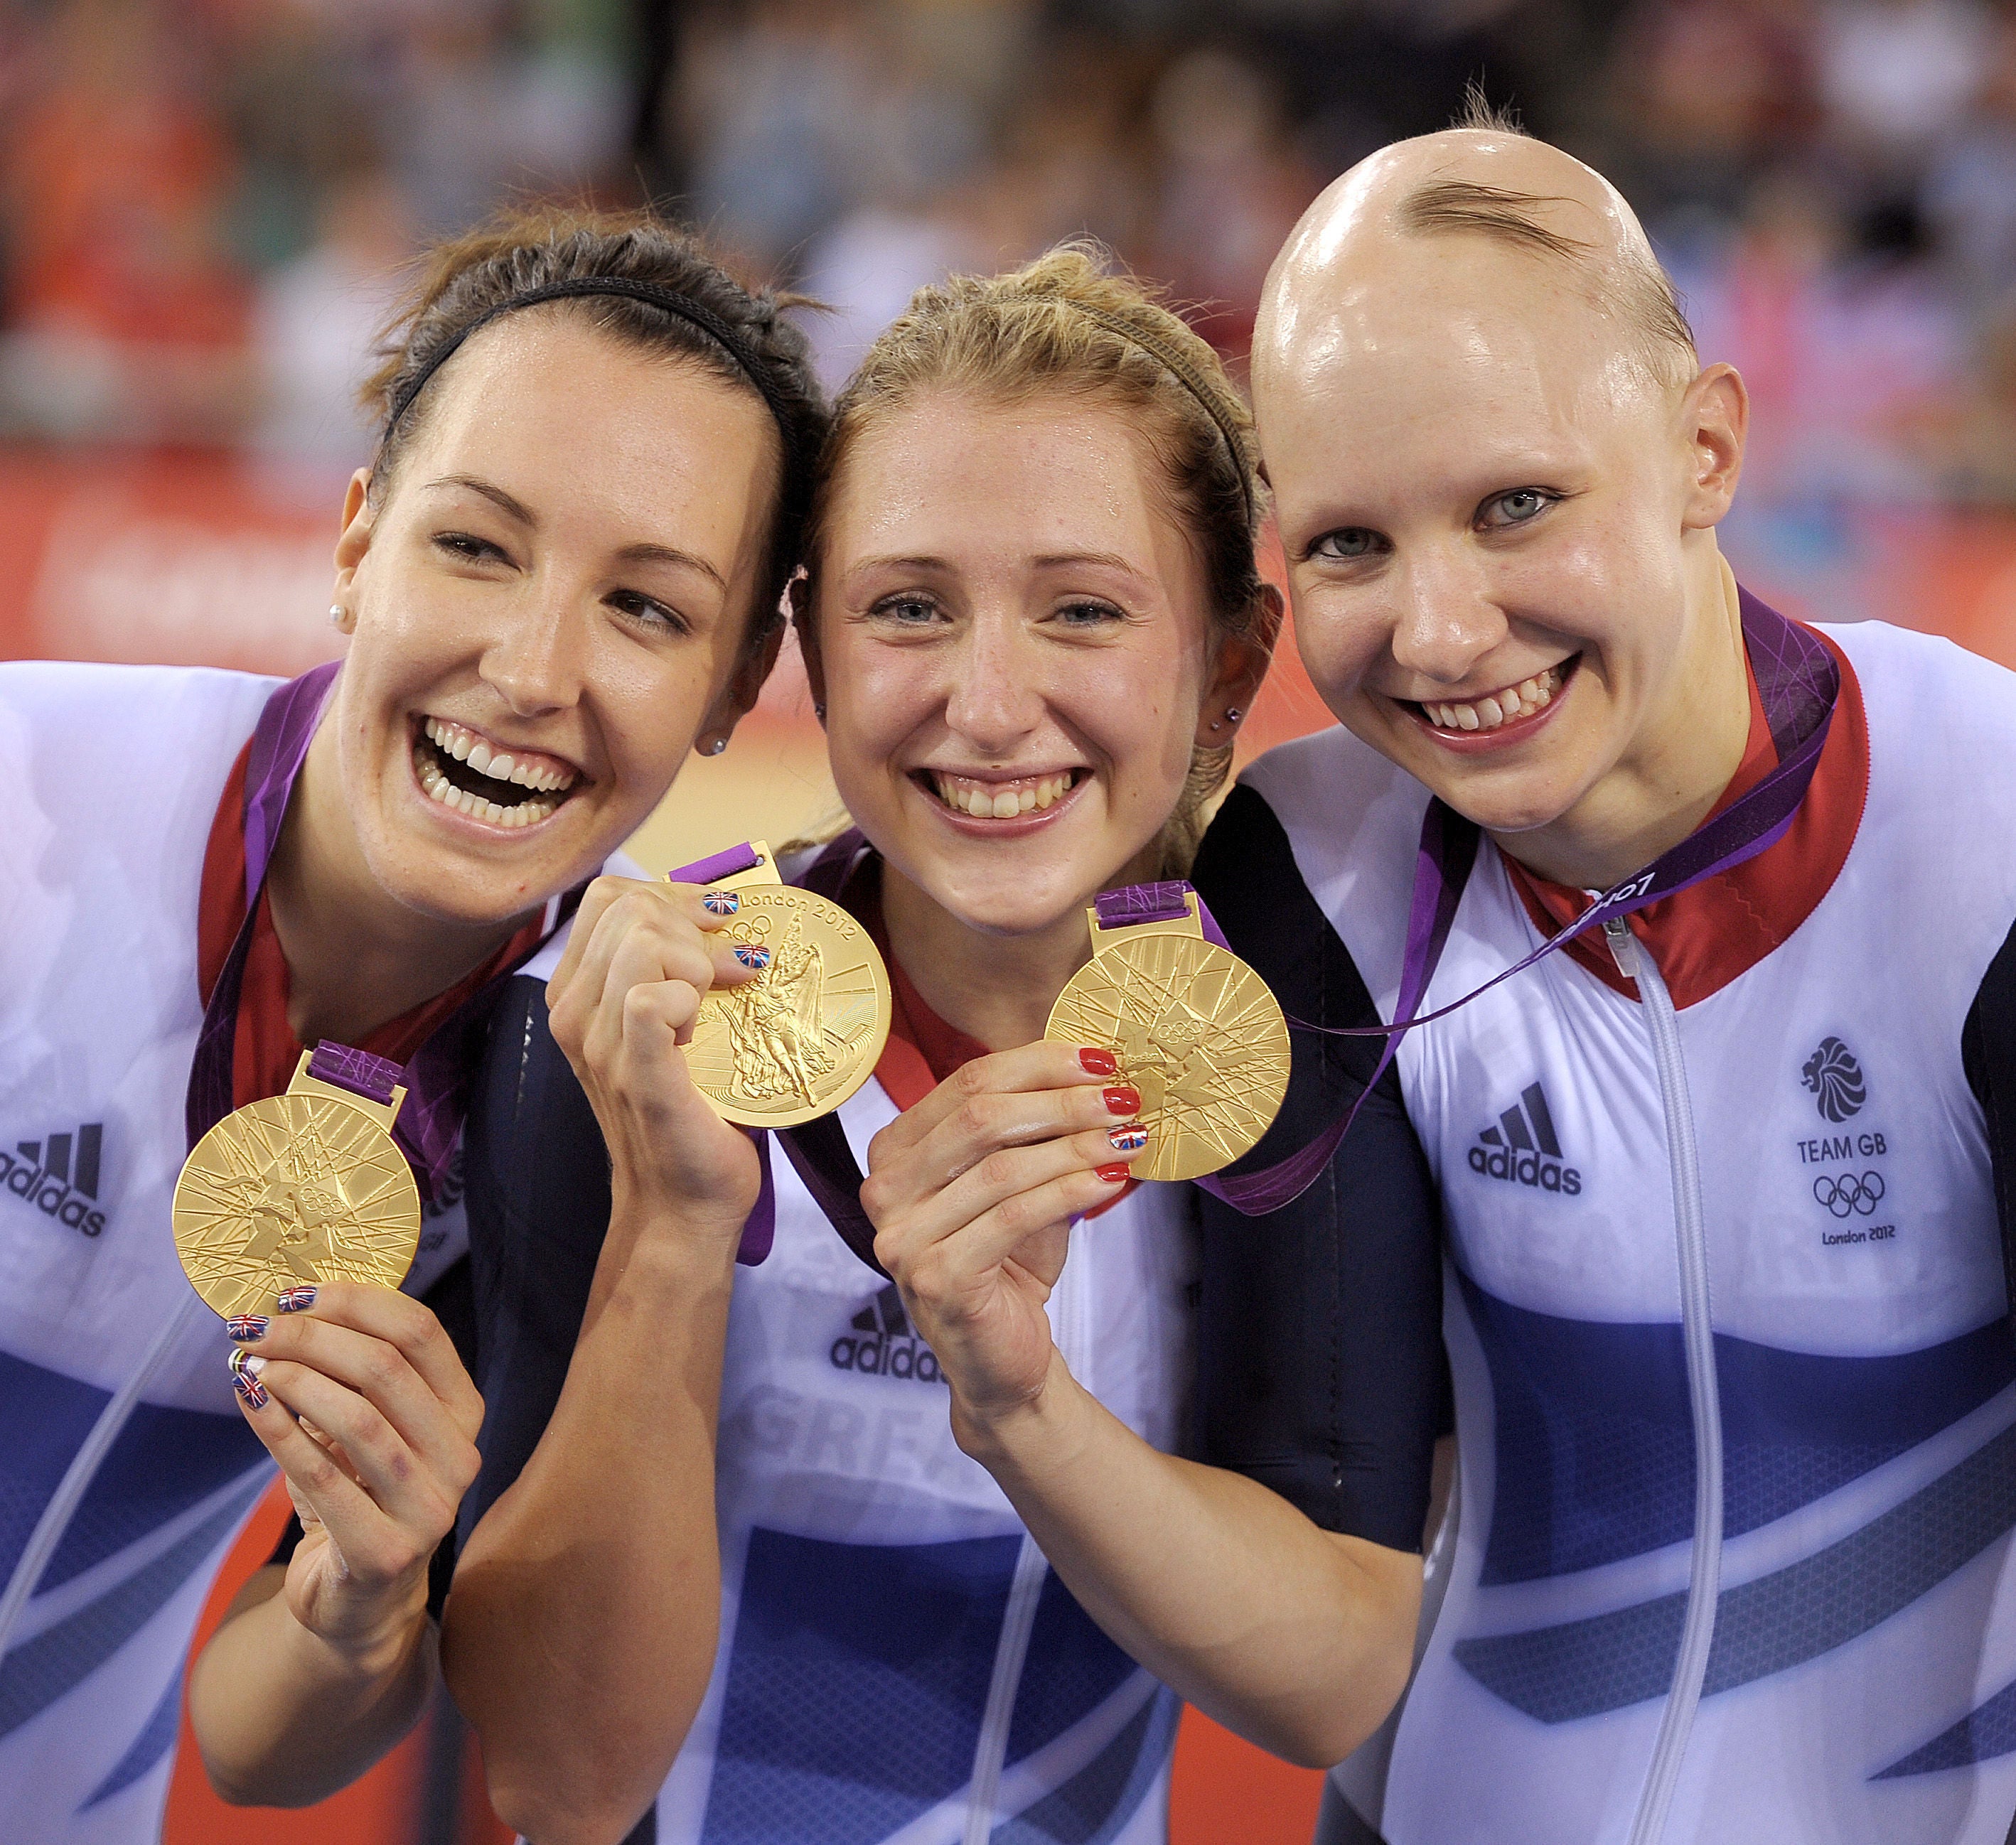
(515, 508)
(1048, 561)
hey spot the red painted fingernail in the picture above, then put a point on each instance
(1123, 1099)
(1094, 1061)
(1113, 1175)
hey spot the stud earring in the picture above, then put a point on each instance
(336, 614)
(716, 747)
(819, 711)
(1216, 725)
(1234, 715)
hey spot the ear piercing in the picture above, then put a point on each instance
(336, 617)
(1234, 715)
(819, 711)
(716, 747)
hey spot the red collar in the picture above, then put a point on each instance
(1703, 937)
(923, 1049)
(266, 1050)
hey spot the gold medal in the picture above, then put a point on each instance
(301, 1188)
(1191, 1025)
(796, 1041)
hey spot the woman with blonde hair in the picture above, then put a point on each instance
(800, 1552)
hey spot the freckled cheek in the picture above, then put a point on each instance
(1341, 639)
(876, 697)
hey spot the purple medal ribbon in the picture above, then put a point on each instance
(437, 1080)
(1798, 684)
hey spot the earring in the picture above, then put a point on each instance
(336, 616)
(1233, 715)
(1216, 725)
(716, 747)
(819, 711)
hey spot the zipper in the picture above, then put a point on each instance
(1676, 1723)
(1024, 1591)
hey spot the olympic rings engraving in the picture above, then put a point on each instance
(1850, 1193)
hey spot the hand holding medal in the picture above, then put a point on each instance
(1191, 1025)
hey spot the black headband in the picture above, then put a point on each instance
(710, 323)
(1169, 363)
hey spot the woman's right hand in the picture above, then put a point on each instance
(973, 1193)
(622, 1002)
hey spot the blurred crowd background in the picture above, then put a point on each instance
(204, 204)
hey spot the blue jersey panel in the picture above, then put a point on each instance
(1595, 1447)
(848, 1656)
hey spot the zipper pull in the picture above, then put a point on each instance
(1623, 947)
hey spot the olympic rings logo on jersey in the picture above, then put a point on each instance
(1850, 1193)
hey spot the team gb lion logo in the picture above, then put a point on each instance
(1835, 1078)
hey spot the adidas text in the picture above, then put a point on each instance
(47, 1182)
(1526, 1169)
(1523, 1149)
(882, 1344)
(879, 1355)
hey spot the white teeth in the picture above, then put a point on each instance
(478, 758)
(995, 803)
(500, 766)
(1500, 707)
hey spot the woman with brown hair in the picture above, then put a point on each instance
(1032, 622)
(557, 575)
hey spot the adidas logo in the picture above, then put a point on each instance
(882, 1344)
(1523, 1149)
(40, 1172)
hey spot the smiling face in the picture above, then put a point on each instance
(1013, 635)
(1498, 530)
(551, 602)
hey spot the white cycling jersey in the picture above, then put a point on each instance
(114, 775)
(1860, 1681)
(897, 1662)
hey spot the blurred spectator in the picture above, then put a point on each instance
(1231, 190)
(1709, 93)
(1895, 73)
(316, 321)
(127, 313)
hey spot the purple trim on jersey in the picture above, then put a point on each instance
(1798, 684)
(437, 1079)
(358, 1071)
(722, 865)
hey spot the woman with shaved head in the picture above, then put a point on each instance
(1708, 916)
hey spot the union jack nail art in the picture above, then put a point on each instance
(751, 954)
(298, 1300)
(255, 1393)
(245, 1327)
(720, 903)
(1129, 1139)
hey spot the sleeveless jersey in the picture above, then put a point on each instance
(893, 1649)
(1861, 1681)
(115, 773)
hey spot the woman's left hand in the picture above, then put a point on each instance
(360, 1397)
(973, 1193)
